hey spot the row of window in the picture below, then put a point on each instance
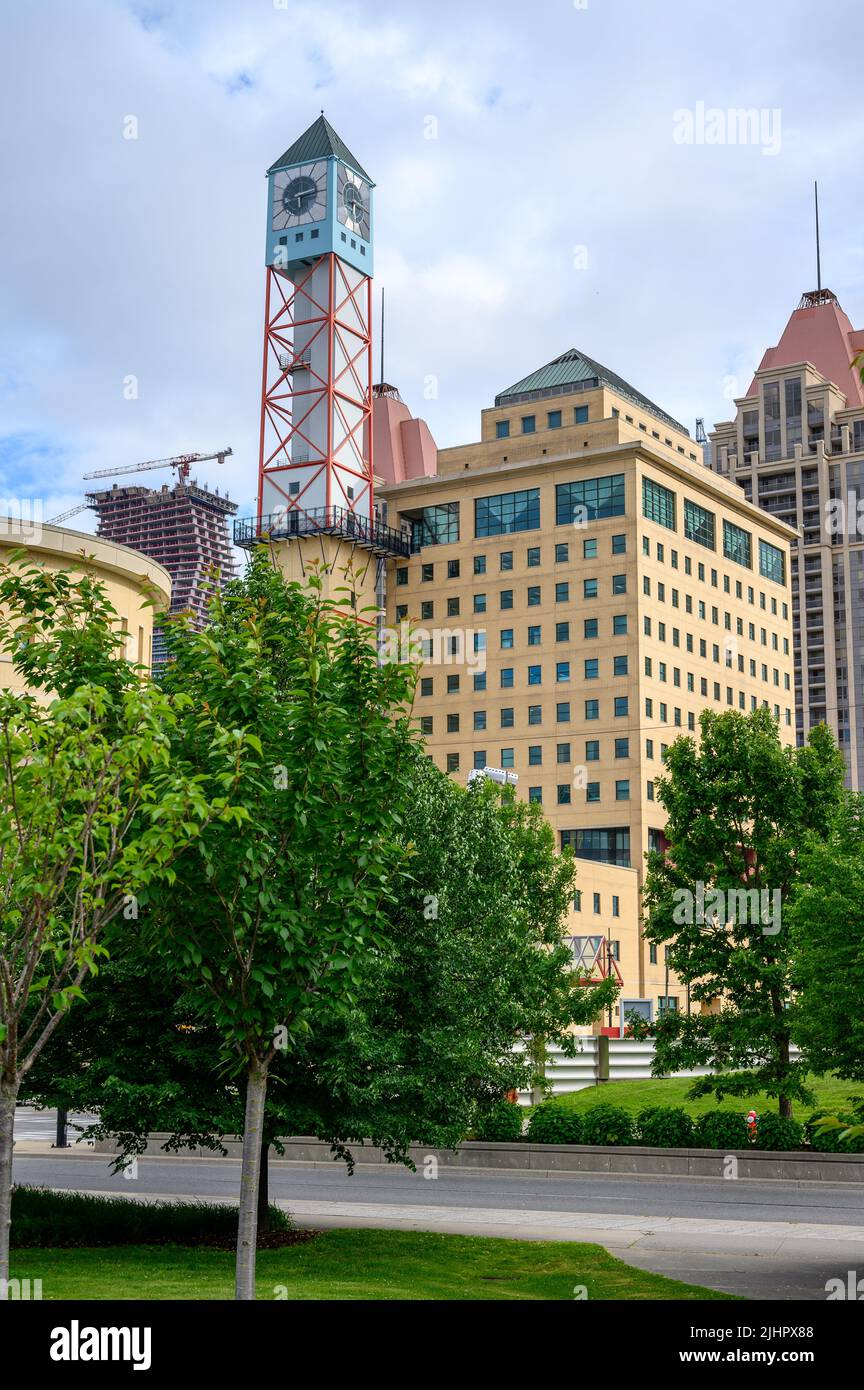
(659, 505)
(554, 421)
(590, 551)
(620, 703)
(615, 949)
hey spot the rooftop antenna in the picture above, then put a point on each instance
(381, 378)
(818, 258)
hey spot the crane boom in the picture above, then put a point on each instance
(181, 462)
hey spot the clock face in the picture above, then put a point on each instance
(353, 202)
(299, 195)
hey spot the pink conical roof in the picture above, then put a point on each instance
(819, 332)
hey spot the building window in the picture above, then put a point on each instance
(622, 748)
(619, 583)
(425, 685)
(479, 720)
(619, 625)
(737, 545)
(553, 420)
(452, 685)
(591, 627)
(453, 607)
(619, 545)
(402, 576)
(592, 668)
(564, 794)
(699, 525)
(506, 638)
(506, 512)
(507, 718)
(658, 503)
(427, 573)
(535, 795)
(616, 912)
(532, 556)
(534, 675)
(562, 753)
(506, 677)
(622, 789)
(589, 548)
(580, 414)
(562, 592)
(771, 562)
(535, 713)
(502, 429)
(533, 595)
(436, 525)
(589, 500)
(592, 750)
(426, 724)
(427, 610)
(592, 791)
(592, 709)
(562, 712)
(479, 604)
(535, 755)
(619, 666)
(534, 633)
(652, 953)
(609, 846)
(577, 900)
(621, 706)
(562, 553)
(562, 671)
(529, 424)
(507, 757)
(479, 564)
(452, 762)
(506, 598)
(480, 759)
(479, 680)
(452, 569)
(505, 560)
(589, 588)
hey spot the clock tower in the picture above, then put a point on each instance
(315, 456)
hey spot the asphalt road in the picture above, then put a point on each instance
(760, 1240)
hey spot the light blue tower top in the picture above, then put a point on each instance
(319, 200)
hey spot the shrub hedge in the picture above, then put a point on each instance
(555, 1124)
(43, 1218)
(501, 1123)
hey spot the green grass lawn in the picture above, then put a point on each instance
(634, 1096)
(348, 1265)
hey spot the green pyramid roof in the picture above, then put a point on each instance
(320, 141)
(569, 371)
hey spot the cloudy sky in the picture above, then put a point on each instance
(537, 188)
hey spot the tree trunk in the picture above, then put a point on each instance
(256, 1094)
(785, 1104)
(8, 1098)
(264, 1188)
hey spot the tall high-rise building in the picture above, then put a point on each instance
(796, 447)
(184, 528)
(583, 587)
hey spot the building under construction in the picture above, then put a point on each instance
(184, 527)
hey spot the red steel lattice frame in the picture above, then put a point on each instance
(284, 410)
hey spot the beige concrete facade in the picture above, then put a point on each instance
(129, 579)
(582, 636)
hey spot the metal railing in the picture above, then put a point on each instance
(332, 521)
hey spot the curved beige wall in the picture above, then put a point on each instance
(127, 576)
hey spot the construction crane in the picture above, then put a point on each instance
(182, 462)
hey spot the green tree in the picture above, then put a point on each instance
(827, 923)
(269, 929)
(739, 808)
(473, 962)
(91, 814)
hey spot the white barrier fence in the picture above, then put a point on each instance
(629, 1060)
